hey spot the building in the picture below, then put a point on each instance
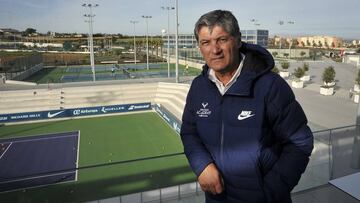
(259, 37)
(352, 59)
(320, 41)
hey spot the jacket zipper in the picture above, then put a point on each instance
(222, 143)
(222, 135)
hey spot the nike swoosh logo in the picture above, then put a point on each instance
(241, 117)
(50, 115)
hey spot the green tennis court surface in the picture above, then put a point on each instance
(105, 144)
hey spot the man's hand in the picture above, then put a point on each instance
(210, 180)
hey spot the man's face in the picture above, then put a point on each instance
(219, 49)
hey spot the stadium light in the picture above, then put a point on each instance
(168, 8)
(147, 41)
(177, 42)
(134, 22)
(90, 16)
(290, 22)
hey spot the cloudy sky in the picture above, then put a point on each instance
(311, 17)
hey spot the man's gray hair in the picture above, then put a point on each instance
(223, 18)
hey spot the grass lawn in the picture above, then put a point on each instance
(103, 142)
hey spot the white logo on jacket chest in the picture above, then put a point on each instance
(244, 115)
(203, 112)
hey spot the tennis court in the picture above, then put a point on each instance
(65, 74)
(118, 155)
(48, 159)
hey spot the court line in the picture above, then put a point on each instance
(37, 139)
(36, 177)
(5, 150)
(77, 156)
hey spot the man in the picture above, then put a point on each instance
(244, 134)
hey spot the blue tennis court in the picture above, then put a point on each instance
(39, 160)
(79, 69)
(142, 66)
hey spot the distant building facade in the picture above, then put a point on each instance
(259, 37)
(320, 41)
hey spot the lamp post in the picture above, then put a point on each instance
(168, 8)
(147, 41)
(281, 22)
(177, 42)
(291, 41)
(134, 22)
(90, 16)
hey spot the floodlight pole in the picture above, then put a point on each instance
(90, 15)
(177, 42)
(168, 36)
(134, 22)
(290, 43)
(147, 41)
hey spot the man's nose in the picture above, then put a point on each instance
(215, 48)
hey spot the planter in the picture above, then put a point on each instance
(284, 74)
(356, 98)
(297, 84)
(305, 78)
(330, 84)
(326, 90)
(356, 88)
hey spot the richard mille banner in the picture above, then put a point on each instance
(87, 111)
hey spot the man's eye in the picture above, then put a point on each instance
(204, 43)
(223, 40)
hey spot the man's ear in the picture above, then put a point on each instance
(239, 44)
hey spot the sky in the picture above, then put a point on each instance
(339, 18)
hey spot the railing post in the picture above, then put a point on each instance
(331, 164)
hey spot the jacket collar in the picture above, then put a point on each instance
(258, 61)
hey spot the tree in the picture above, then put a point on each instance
(285, 65)
(305, 67)
(29, 31)
(302, 53)
(357, 80)
(308, 43)
(299, 72)
(275, 69)
(320, 44)
(328, 75)
(286, 55)
(274, 53)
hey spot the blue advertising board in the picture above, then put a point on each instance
(87, 111)
(168, 117)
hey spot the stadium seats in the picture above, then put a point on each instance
(170, 95)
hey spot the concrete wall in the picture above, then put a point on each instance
(170, 95)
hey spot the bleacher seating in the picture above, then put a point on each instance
(170, 95)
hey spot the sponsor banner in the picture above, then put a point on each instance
(168, 117)
(17, 117)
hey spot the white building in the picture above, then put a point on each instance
(259, 37)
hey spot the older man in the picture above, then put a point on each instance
(244, 134)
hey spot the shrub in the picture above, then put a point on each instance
(357, 80)
(305, 67)
(285, 65)
(275, 69)
(299, 72)
(328, 75)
